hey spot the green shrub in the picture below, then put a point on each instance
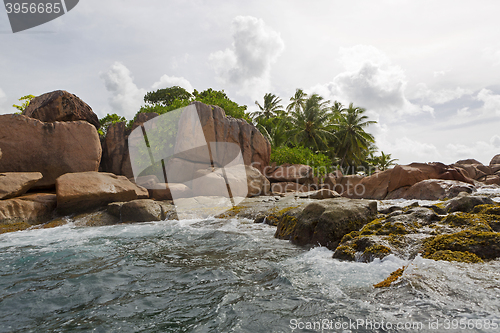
(320, 163)
(109, 119)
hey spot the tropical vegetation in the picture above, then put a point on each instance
(309, 130)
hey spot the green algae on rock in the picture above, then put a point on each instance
(459, 256)
(485, 245)
(392, 278)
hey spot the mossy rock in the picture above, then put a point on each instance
(459, 256)
(287, 226)
(15, 226)
(493, 209)
(52, 224)
(391, 210)
(383, 227)
(411, 206)
(467, 221)
(325, 222)
(391, 279)
(273, 216)
(95, 219)
(486, 245)
(345, 252)
(396, 240)
(349, 236)
(375, 251)
(233, 212)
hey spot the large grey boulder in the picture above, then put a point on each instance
(325, 222)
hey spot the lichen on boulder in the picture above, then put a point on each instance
(485, 245)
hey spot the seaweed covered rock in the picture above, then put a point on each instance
(362, 248)
(485, 245)
(467, 221)
(447, 255)
(393, 233)
(325, 222)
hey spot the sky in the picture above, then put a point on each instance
(427, 71)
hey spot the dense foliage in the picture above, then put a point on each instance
(310, 130)
(167, 96)
(299, 155)
(330, 130)
(165, 100)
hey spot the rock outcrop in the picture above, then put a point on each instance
(50, 148)
(495, 164)
(393, 183)
(475, 169)
(468, 233)
(432, 189)
(115, 154)
(141, 210)
(30, 209)
(14, 184)
(60, 105)
(77, 192)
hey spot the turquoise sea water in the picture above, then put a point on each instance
(225, 276)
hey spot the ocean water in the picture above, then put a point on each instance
(226, 276)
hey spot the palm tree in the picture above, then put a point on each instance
(385, 161)
(298, 101)
(270, 108)
(276, 134)
(352, 138)
(311, 125)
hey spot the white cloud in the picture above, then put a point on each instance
(439, 96)
(491, 101)
(439, 73)
(474, 150)
(408, 150)
(169, 81)
(247, 63)
(495, 141)
(464, 112)
(370, 81)
(492, 55)
(126, 98)
(176, 61)
(427, 108)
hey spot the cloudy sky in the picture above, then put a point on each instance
(427, 71)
